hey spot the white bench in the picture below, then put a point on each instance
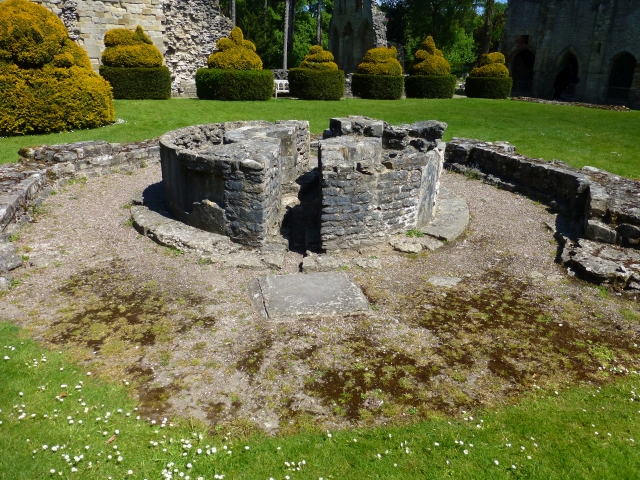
(280, 86)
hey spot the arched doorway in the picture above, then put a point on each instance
(621, 77)
(522, 72)
(567, 77)
(347, 62)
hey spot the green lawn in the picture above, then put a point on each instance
(578, 136)
(58, 421)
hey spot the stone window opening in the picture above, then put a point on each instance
(621, 77)
(569, 64)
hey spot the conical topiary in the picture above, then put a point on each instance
(46, 80)
(381, 61)
(235, 53)
(130, 49)
(319, 59)
(429, 60)
(317, 78)
(489, 78)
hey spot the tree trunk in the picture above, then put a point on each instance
(489, 8)
(266, 9)
(319, 26)
(292, 23)
(286, 32)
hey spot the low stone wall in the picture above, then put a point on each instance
(41, 167)
(604, 208)
(377, 185)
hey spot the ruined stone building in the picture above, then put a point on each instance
(598, 39)
(185, 31)
(355, 27)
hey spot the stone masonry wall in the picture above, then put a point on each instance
(377, 185)
(185, 31)
(594, 32)
(229, 178)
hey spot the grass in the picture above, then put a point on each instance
(578, 136)
(56, 417)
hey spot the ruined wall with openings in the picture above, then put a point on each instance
(600, 36)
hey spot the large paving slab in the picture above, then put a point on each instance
(320, 293)
(452, 217)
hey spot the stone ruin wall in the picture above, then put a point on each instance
(184, 31)
(374, 180)
(595, 32)
(356, 26)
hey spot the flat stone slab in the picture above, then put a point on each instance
(320, 293)
(452, 217)
(446, 282)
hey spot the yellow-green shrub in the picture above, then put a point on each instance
(51, 99)
(429, 60)
(319, 59)
(30, 35)
(381, 61)
(130, 49)
(46, 80)
(235, 53)
(491, 65)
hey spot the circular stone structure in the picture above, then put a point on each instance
(255, 182)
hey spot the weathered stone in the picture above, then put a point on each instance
(326, 293)
(406, 245)
(451, 219)
(313, 262)
(9, 258)
(373, 263)
(4, 284)
(600, 232)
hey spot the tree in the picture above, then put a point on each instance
(287, 4)
(319, 24)
(489, 9)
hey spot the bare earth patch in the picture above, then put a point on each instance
(187, 338)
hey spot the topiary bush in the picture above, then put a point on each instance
(218, 84)
(46, 80)
(235, 53)
(235, 72)
(379, 76)
(489, 78)
(317, 78)
(133, 66)
(430, 74)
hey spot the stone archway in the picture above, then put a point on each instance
(522, 72)
(567, 72)
(364, 42)
(347, 49)
(623, 68)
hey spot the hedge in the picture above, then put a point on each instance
(138, 83)
(312, 84)
(430, 86)
(377, 87)
(235, 53)
(217, 84)
(488, 87)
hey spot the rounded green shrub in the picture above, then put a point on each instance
(133, 66)
(489, 78)
(381, 61)
(379, 76)
(218, 84)
(314, 84)
(317, 78)
(130, 49)
(430, 86)
(377, 87)
(488, 87)
(428, 60)
(46, 81)
(138, 83)
(235, 53)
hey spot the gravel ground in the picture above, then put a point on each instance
(185, 336)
